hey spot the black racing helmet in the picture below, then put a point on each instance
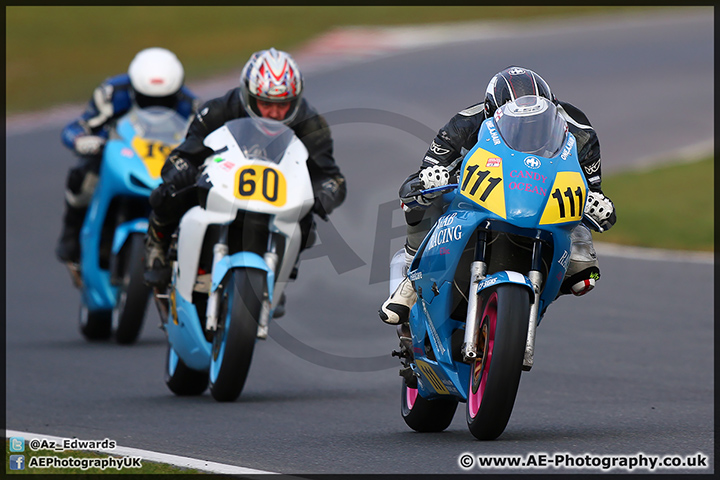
(512, 83)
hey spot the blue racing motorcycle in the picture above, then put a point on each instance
(110, 274)
(489, 268)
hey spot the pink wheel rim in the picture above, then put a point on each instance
(475, 398)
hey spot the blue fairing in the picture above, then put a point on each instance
(499, 189)
(122, 173)
(187, 337)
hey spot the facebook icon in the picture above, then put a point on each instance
(17, 462)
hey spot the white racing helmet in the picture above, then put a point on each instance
(156, 72)
(271, 76)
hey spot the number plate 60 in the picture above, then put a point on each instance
(261, 183)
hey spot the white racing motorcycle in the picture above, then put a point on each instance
(233, 255)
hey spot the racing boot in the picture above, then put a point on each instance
(157, 267)
(68, 246)
(396, 309)
(583, 271)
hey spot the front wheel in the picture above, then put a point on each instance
(95, 325)
(495, 376)
(234, 340)
(424, 415)
(181, 379)
(133, 294)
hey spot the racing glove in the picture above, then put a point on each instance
(431, 177)
(326, 195)
(600, 209)
(179, 172)
(89, 145)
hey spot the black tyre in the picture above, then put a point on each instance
(424, 415)
(495, 377)
(181, 379)
(95, 325)
(133, 295)
(234, 340)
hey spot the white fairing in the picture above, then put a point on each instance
(229, 170)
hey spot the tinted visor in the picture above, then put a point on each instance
(532, 124)
(144, 101)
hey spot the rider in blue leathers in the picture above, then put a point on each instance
(155, 77)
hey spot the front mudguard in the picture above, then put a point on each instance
(506, 276)
(120, 240)
(242, 260)
(124, 230)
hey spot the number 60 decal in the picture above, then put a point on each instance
(261, 183)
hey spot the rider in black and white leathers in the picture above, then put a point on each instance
(459, 136)
(270, 86)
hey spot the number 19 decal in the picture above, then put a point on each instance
(152, 153)
(261, 183)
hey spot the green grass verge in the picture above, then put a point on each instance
(147, 467)
(669, 207)
(58, 54)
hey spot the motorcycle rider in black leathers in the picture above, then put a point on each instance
(270, 86)
(443, 160)
(154, 78)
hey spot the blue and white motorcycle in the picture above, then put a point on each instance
(233, 255)
(489, 268)
(110, 275)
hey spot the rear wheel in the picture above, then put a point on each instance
(181, 379)
(495, 377)
(424, 415)
(234, 340)
(133, 294)
(95, 325)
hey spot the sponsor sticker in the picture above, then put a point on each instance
(532, 162)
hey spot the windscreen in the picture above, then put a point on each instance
(159, 123)
(261, 138)
(532, 124)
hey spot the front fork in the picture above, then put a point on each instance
(220, 251)
(478, 271)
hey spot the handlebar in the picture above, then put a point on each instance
(441, 189)
(184, 190)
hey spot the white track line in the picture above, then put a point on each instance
(175, 460)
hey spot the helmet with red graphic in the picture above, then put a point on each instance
(156, 76)
(512, 83)
(271, 86)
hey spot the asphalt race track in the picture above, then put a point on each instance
(627, 369)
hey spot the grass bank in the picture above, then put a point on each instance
(58, 54)
(669, 207)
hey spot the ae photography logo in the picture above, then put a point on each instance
(19, 462)
(586, 461)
